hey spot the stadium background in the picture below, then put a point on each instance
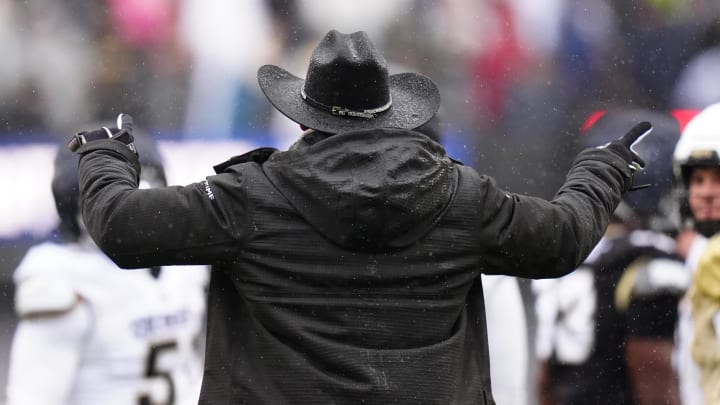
(517, 79)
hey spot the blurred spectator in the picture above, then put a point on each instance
(143, 64)
(371, 16)
(228, 41)
(12, 110)
(49, 58)
(696, 86)
(656, 39)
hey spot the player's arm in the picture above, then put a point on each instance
(545, 386)
(652, 314)
(653, 378)
(48, 341)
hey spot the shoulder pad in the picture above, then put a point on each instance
(662, 275)
(44, 296)
(652, 239)
(649, 277)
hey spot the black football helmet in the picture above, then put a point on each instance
(651, 207)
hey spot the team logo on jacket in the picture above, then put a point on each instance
(208, 190)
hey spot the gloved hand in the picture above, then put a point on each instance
(122, 133)
(623, 146)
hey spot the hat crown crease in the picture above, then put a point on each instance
(347, 73)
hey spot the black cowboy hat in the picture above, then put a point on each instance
(348, 88)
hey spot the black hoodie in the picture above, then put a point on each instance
(346, 270)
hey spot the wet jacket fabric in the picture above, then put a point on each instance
(346, 269)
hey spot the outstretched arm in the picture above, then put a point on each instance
(195, 224)
(535, 238)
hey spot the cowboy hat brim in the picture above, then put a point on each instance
(415, 99)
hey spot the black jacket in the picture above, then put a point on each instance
(347, 270)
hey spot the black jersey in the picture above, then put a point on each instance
(628, 287)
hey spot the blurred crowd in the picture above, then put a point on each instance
(513, 74)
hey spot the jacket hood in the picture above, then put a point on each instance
(369, 190)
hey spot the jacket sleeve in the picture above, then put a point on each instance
(531, 237)
(195, 224)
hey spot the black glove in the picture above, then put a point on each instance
(623, 146)
(122, 133)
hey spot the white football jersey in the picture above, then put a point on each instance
(91, 333)
(507, 339)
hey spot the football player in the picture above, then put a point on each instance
(605, 332)
(697, 170)
(90, 333)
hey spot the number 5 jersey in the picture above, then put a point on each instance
(91, 333)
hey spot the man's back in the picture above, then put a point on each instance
(316, 319)
(315, 316)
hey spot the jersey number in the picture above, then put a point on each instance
(153, 372)
(575, 327)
